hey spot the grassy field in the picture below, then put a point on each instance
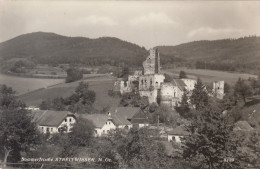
(209, 76)
(100, 84)
(23, 85)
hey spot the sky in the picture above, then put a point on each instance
(146, 23)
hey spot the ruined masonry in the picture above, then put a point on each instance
(150, 83)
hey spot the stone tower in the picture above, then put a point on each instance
(152, 63)
(218, 89)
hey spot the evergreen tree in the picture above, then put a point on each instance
(211, 143)
(183, 109)
(199, 96)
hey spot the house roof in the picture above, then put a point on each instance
(140, 117)
(242, 125)
(99, 120)
(179, 83)
(49, 117)
(178, 131)
(122, 115)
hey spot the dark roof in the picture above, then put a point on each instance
(120, 120)
(178, 131)
(122, 115)
(179, 83)
(49, 117)
(140, 117)
(99, 120)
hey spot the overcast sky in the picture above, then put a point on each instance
(146, 23)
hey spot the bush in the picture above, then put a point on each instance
(73, 74)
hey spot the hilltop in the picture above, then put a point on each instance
(242, 54)
(51, 48)
(28, 50)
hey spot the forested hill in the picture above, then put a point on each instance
(241, 54)
(49, 48)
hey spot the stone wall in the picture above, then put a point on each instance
(170, 94)
(150, 82)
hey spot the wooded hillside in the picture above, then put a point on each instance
(241, 54)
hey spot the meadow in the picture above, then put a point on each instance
(209, 76)
(24, 85)
(100, 84)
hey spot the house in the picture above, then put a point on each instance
(49, 121)
(140, 119)
(127, 117)
(32, 108)
(176, 134)
(103, 123)
(117, 118)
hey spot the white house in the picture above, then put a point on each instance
(176, 134)
(117, 118)
(102, 122)
(49, 121)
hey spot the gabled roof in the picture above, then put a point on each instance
(122, 115)
(179, 83)
(99, 120)
(49, 117)
(180, 131)
(140, 117)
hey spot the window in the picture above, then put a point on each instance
(70, 119)
(65, 120)
(51, 129)
(149, 60)
(48, 130)
(42, 128)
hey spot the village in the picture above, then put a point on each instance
(153, 108)
(148, 83)
(129, 85)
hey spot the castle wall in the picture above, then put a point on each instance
(170, 94)
(150, 82)
(190, 84)
(152, 95)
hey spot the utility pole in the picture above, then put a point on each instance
(158, 126)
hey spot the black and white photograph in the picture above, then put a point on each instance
(118, 84)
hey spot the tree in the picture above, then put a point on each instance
(139, 150)
(134, 99)
(199, 96)
(73, 74)
(182, 74)
(81, 101)
(184, 108)
(17, 131)
(243, 89)
(211, 143)
(168, 78)
(82, 132)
